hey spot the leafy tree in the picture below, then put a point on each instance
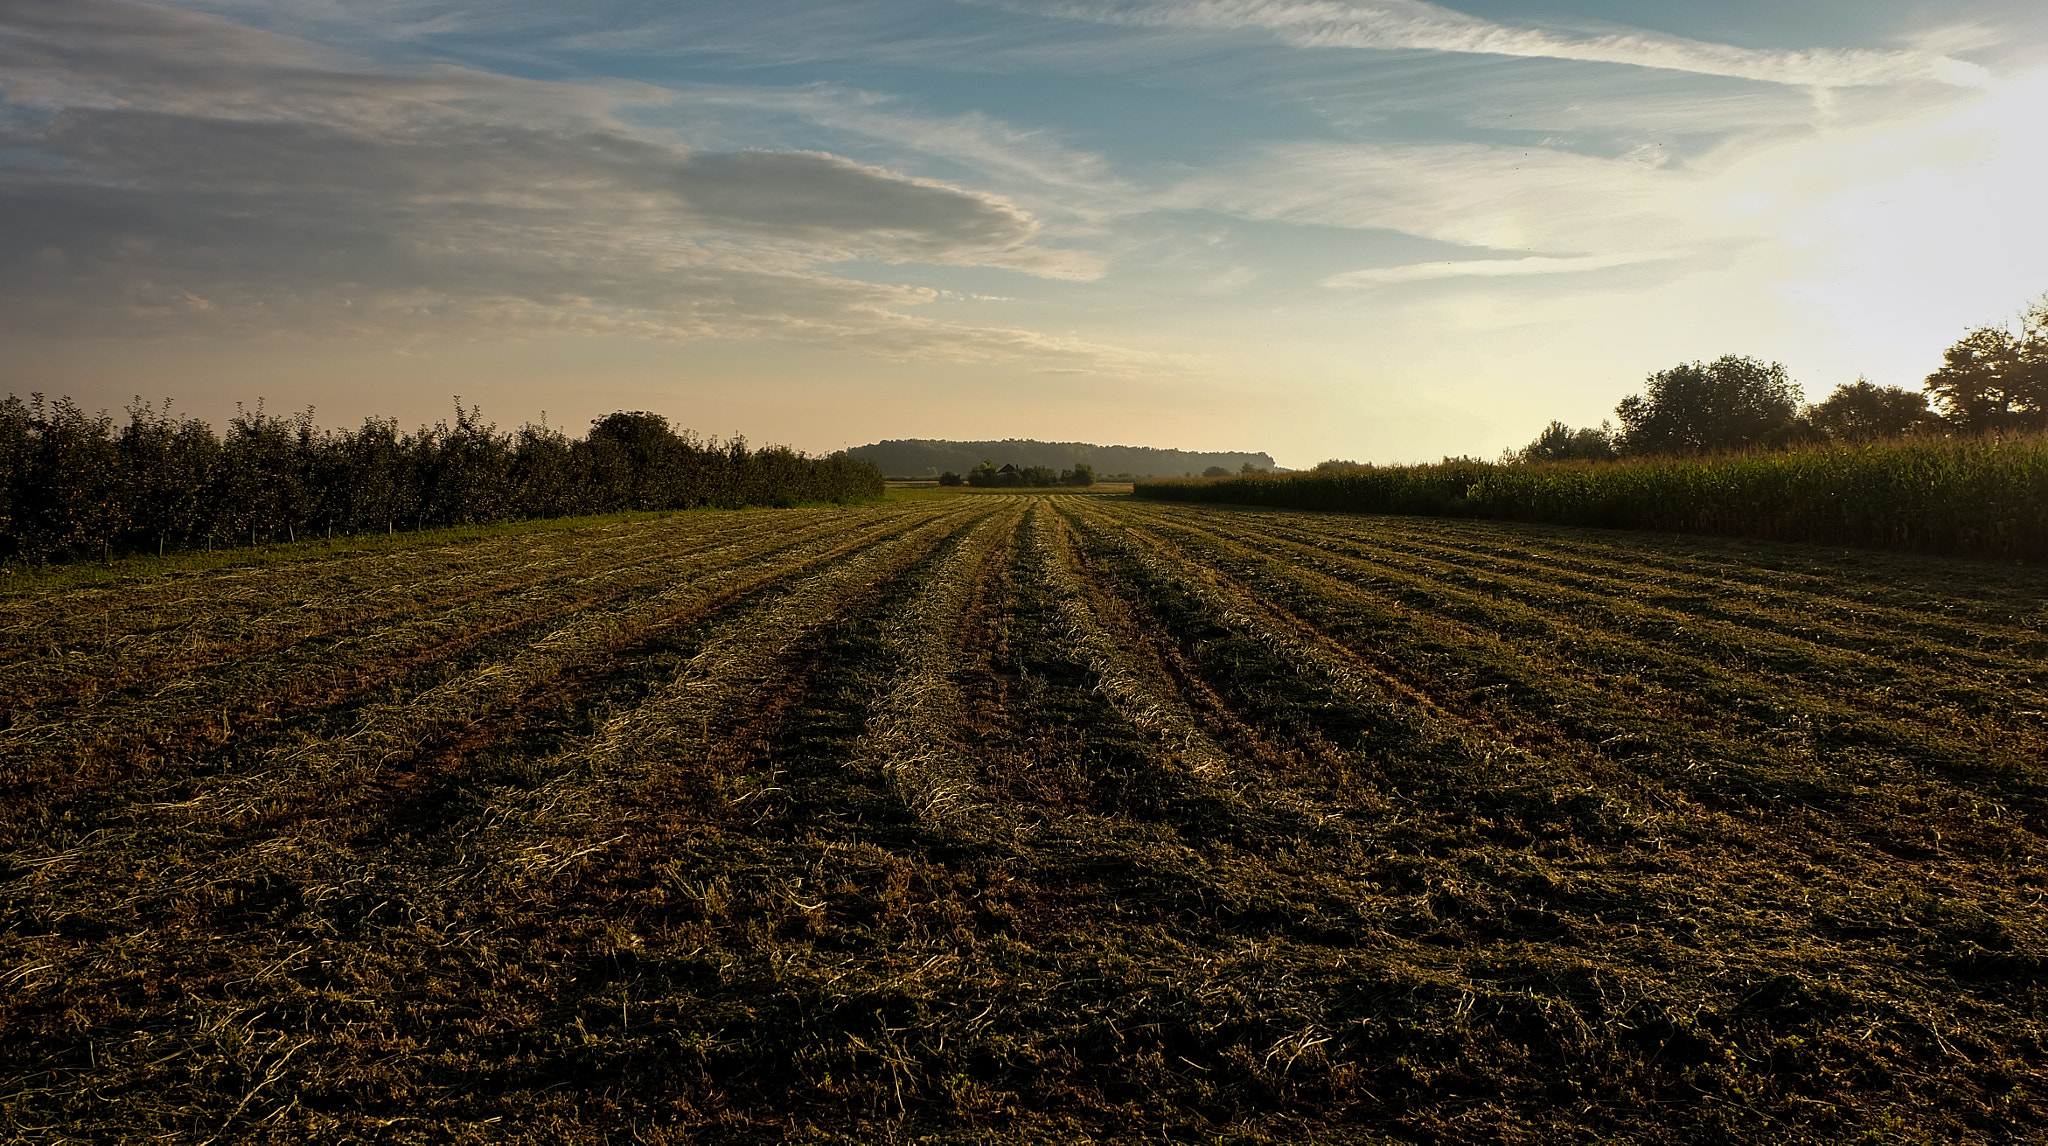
(1082, 474)
(1215, 472)
(66, 487)
(1996, 378)
(949, 478)
(471, 469)
(1861, 412)
(985, 474)
(1559, 442)
(168, 467)
(543, 472)
(1727, 404)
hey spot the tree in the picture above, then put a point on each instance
(1559, 443)
(63, 470)
(1215, 472)
(1082, 474)
(1861, 412)
(168, 466)
(1694, 407)
(949, 478)
(1996, 378)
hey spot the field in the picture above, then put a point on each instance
(1040, 817)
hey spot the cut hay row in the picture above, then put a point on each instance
(1703, 751)
(202, 715)
(912, 734)
(1127, 679)
(304, 770)
(1396, 707)
(1932, 626)
(1984, 834)
(228, 616)
(1760, 681)
(455, 895)
(1880, 600)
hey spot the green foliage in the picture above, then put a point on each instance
(949, 478)
(70, 485)
(1008, 476)
(1942, 495)
(1560, 443)
(1996, 379)
(1863, 412)
(1728, 404)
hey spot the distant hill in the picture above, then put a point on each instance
(928, 457)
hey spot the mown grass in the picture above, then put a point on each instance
(1981, 496)
(1035, 819)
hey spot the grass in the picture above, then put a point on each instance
(1046, 818)
(1981, 496)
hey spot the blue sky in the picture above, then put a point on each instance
(1374, 229)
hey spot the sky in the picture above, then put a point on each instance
(1381, 230)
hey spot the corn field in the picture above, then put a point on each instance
(1052, 817)
(1980, 496)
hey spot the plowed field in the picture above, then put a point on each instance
(1031, 818)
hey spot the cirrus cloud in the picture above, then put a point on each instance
(1415, 25)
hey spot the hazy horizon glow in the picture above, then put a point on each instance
(1375, 229)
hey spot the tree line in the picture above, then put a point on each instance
(1995, 380)
(988, 474)
(75, 483)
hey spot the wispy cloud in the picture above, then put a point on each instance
(1487, 268)
(1418, 26)
(177, 173)
(1495, 198)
